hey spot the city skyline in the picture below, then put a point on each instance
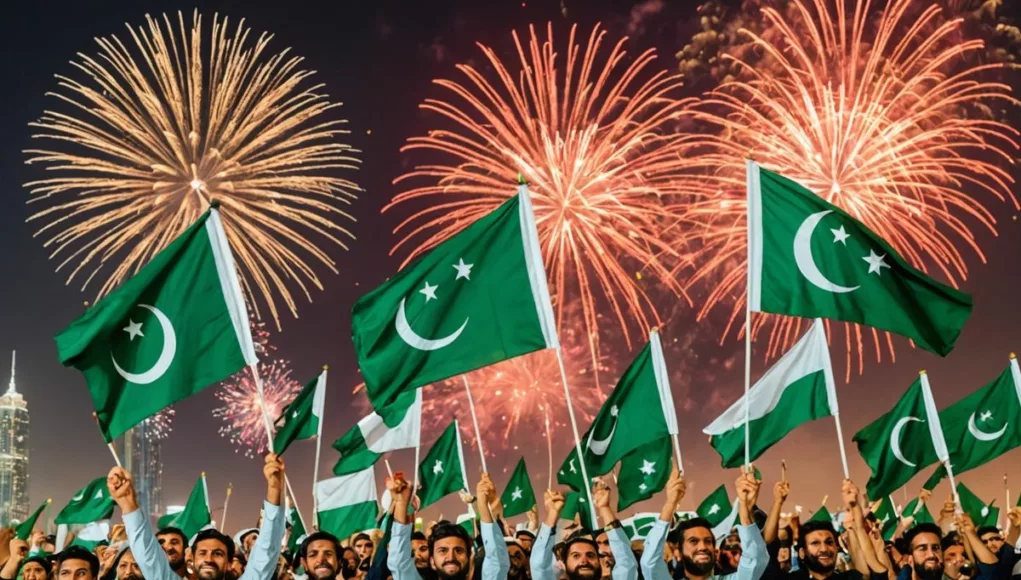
(14, 442)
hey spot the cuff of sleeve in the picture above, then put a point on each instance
(132, 520)
(270, 511)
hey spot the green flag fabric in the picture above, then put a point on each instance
(442, 471)
(576, 506)
(297, 530)
(303, 417)
(177, 326)
(347, 503)
(92, 535)
(886, 517)
(982, 514)
(195, 516)
(639, 525)
(518, 497)
(715, 507)
(919, 511)
(821, 515)
(365, 443)
(902, 442)
(644, 472)
(476, 299)
(24, 530)
(91, 504)
(982, 426)
(799, 388)
(809, 258)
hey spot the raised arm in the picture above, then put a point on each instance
(540, 562)
(653, 565)
(626, 567)
(496, 563)
(781, 490)
(151, 558)
(753, 556)
(262, 561)
(852, 502)
(398, 555)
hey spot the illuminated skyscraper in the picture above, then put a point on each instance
(13, 455)
(141, 455)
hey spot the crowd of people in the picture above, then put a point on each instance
(761, 544)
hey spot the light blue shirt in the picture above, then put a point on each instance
(541, 560)
(401, 561)
(153, 562)
(754, 556)
(626, 567)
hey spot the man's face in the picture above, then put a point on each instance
(249, 541)
(927, 556)
(525, 541)
(730, 552)
(450, 558)
(783, 558)
(582, 562)
(363, 548)
(698, 551)
(518, 560)
(993, 541)
(210, 560)
(75, 569)
(320, 561)
(236, 567)
(820, 551)
(350, 561)
(173, 545)
(606, 560)
(127, 568)
(420, 549)
(33, 571)
(953, 559)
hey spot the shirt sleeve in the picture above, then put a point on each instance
(496, 564)
(653, 565)
(753, 553)
(540, 561)
(626, 567)
(398, 553)
(262, 561)
(149, 555)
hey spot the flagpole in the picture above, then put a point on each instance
(840, 442)
(418, 444)
(577, 438)
(475, 421)
(1006, 493)
(223, 518)
(549, 449)
(319, 445)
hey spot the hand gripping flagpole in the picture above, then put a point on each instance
(475, 421)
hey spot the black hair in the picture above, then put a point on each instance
(692, 524)
(579, 540)
(315, 536)
(441, 531)
(45, 561)
(78, 553)
(171, 530)
(986, 530)
(212, 534)
(951, 539)
(817, 526)
(360, 537)
(926, 528)
(524, 533)
(416, 535)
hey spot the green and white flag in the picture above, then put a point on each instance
(807, 257)
(799, 388)
(365, 443)
(92, 535)
(348, 503)
(476, 299)
(303, 417)
(91, 504)
(982, 514)
(195, 516)
(24, 529)
(902, 442)
(176, 327)
(982, 426)
(297, 530)
(467, 523)
(442, 471)
(887, 517)
(919, 511)
(518, 497)
(576, 506)
(719, 511)
(644, 472)
(638, 526)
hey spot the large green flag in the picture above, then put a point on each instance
(902, 442)
(442, 471)
(982, 514)
(91, 504)
(174, 328)
(195, 516)
(844, 272)
(644, 472)
(576, 506)
(303, 417)
(982, 426)
(886, 517)
(347, 503)
(365, 443)
(799, 388)
(715, 507)
(297, 530)
(24, 530)
(518, 497)
(476, 299)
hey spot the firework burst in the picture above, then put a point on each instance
(599, 148)
(242, 410)
(859, 108)
(156, 131)
(161, 424)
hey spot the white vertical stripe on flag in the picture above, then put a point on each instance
(227, 272)
(754, 225)
(536, 268)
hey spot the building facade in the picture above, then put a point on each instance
(141, 455)
(14, 423)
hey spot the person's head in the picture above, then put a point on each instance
(954, 555)
(526, 539)
(729, 554)
(348, 562)
(363, 546)
(49, 544)
(35, 568)
(77, 563)
(581, 559)
(126, 566)
(173, 542)
(248, 540)
(518, 560)
(819, 540)
(320, 556)
(238, 564)
(926, 551)
(606, 560)
(991, 537)
(212, 554)
(783, 558)
(698, 547)
(420, 549)
(449, 551)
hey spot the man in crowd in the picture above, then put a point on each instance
(420, 551)
(125, 566)
(363, 548)
(77, 563)
(525, 538)
(319, 555)
(518, 561)
(245, 539)
(31, 568)
(173, 542)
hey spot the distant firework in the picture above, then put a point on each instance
(241, 409)
(859, 108)
(598, 143)
(161, 424)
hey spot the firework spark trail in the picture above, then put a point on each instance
(161, 424)
(157, 132)
(601, 153)
(863, 113)
(242, 410)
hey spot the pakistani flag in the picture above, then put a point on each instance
(886, 517)
(195, 516)
(902, 442)
(638, 526)
(174, 328)
(575, 505)
(983, 425)
(982, 514)
(474, 300)
(92, 535)
(639, 411)
(303, 417)
(91, 504)
(347, 504)
(297, 530)
(366, 442)
(442, 471)
(719, 511)
(919, 511)
(24, 530)
(518, 497)
(809, 258)
(467, 523)
(799, 388)
(822, 515)
(644, 472)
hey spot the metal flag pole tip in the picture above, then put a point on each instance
(203, 474)
(326, 367)
(921, 372)
(1013, 356)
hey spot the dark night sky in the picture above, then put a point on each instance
(378, 58)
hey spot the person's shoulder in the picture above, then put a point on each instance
(849, 575)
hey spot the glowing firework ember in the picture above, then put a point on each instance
(599, 149)
(160, 424)
(861, 109)
(241, 408)
(153, 134)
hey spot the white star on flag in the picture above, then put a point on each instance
(648, 467)
(876, 263)
(642, 487)
(714, 509)
(516, 494)
(133, 329)
(840, 235)
(438, 467)
(986, 415)
(463, 270)
(429, 291)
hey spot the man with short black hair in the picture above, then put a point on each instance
(525, 538)
(319, 555)
(173, 542)
(420, 551)
(77, 563)
(926, 547)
